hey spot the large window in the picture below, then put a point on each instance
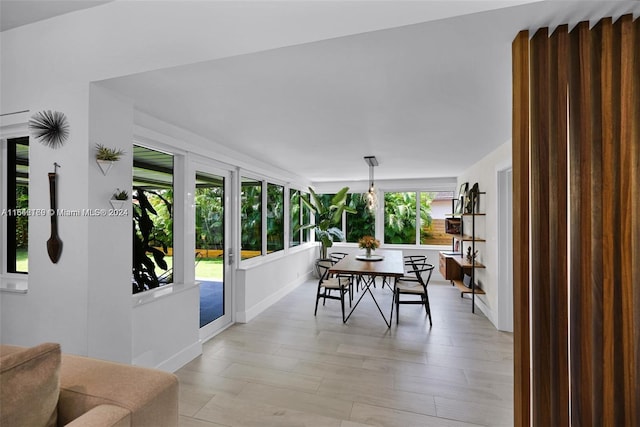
(251, 218)
(275, 218)
(152, 219)
(17, 212)
(299, 215)
(409, 216)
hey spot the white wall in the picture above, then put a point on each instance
(55, 307)
(485, 173)
(109, 300)
(261, 285)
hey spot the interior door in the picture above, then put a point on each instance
(212, 205)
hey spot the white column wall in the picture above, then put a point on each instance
(485, 173)
(110, 251)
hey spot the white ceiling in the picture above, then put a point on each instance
(15, 13)
(427, 99)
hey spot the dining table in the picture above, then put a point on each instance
(387, 263)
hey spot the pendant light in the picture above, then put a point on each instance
(372, 199)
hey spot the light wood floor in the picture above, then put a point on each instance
(289, 368)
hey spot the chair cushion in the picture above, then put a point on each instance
(334, 283)
(29, 385)
(409, 287)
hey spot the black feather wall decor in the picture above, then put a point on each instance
(49, 128)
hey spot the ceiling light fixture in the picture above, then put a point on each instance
(372, 199)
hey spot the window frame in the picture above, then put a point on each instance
(175, 269)
(283, 215)
(9, 178)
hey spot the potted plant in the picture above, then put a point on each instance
(328, 216)
(105, 157)
(118, 199)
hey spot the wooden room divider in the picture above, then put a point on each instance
(576, 237)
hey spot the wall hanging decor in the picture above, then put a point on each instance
(49, 128)
(105, 157)
(54, 244)
(118, 199)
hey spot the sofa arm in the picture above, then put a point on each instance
(103, 416)
(150, 395)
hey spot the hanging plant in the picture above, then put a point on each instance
(108, 154)
(120, 195)
(49, 128)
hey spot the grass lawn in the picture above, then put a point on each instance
(207, 268)
(22, 260)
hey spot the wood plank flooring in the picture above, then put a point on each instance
(289, 368)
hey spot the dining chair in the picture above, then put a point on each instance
(337, 256)
(413, 288)
(411, 262)
(327, 284)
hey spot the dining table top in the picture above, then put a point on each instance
(391, 264)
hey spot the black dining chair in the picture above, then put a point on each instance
(411, 262)
(414, 288)
(327, 285)
(337, 256)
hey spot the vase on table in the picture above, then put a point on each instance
(368, 252)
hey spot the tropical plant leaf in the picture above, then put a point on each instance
(320, 208)
(340, 197)
(308, 204)
(158, 257)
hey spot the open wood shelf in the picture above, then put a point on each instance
(465, 238)
(455, 266)
(464, 290)
(462, 262)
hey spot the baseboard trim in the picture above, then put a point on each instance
(181, 358)
(486, 311)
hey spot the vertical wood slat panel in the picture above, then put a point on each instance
(613, 410)
(594, 216)
(633, 122)
(558, 303)
(520, 153)
(604, 250)
(580, 259)
(629, 190)
(540, 301)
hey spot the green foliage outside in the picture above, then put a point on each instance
(362, 222)
(275, 218)
(209, 217)
(251, 216)
(294, 215)
(152, 237)
(22, 222)
(162, 233)
(400, 217)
